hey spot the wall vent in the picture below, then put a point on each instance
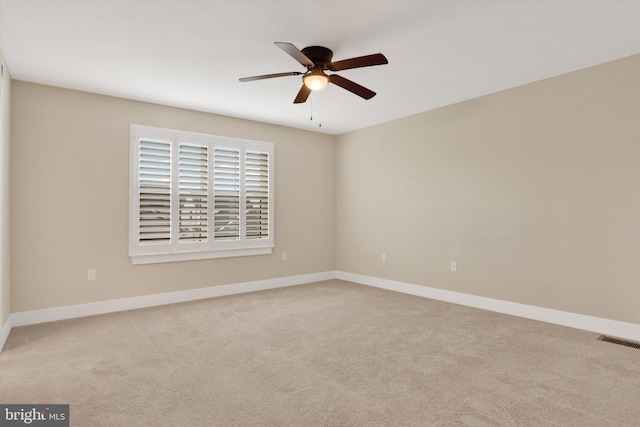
(619, 341)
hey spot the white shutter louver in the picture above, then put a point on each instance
(257, 195)
(226, 194)
(154, 178)
(192, 188)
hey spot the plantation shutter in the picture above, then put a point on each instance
(196, 196)
(257, 195)
(154, 179)
(226, 194)
(193, 196)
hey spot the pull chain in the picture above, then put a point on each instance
(319, 110)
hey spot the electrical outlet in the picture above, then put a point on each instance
(454, 266)
(284, 256)
(91, 275)
(384, 258)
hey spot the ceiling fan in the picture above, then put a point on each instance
(317, 60)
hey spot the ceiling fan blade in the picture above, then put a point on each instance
(295, 53)
(302, 95)
(270, 76)
(359, 62)
(352, 86)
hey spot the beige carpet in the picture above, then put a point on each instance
(325, 354)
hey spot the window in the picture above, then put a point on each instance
(196, 196)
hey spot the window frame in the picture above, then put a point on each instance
(175, 250)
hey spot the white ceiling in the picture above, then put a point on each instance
(190, 54)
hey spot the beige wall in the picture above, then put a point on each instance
(5, 108)
(534, 191)
(70, 195)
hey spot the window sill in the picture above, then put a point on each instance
(192, 256)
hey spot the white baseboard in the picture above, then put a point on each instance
(579, 321)
(102, 307)
(4, 333)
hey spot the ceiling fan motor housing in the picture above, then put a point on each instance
(320, 55)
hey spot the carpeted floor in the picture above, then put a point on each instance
(326, 354)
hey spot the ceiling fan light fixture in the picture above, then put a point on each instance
(317, 60)
(315, 80)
